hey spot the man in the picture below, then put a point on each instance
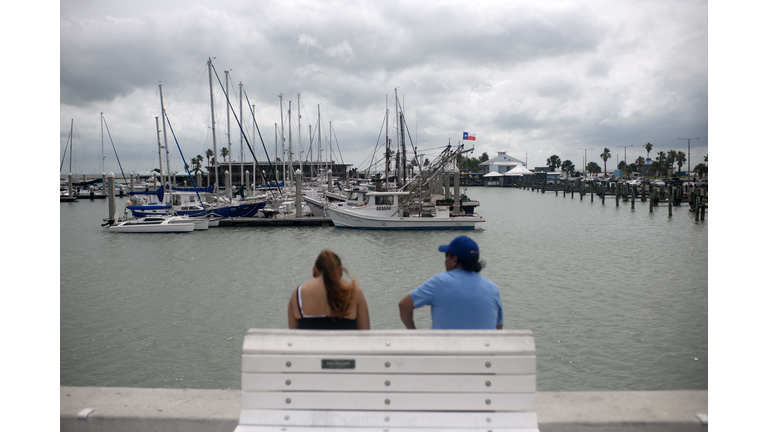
(460, 298)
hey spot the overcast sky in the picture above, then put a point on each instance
(540, 78)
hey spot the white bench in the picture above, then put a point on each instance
(388, 380)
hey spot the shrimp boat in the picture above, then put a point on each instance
(354, 196)
(384, 210)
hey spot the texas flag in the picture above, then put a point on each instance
(468, 136)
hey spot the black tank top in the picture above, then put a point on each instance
(322, 322)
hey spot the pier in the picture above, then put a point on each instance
(277, 221)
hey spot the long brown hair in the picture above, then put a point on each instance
(340, 298)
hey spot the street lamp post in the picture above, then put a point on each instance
(689, 155)
(585, 160)
(625, 157)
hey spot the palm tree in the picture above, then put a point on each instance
(657, 167)
(680, 159)
(661, 158)
(640, 162)
(553, 162)
(196, 162)
(567, 166)
(605, 155)
(412, 164)
(671, 158)
(593, 168)
(224, 153)
(208, 156)
(701, 169)
(648, 148)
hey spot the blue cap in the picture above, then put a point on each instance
(463, 247)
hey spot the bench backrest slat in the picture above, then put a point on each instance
(524, 364)
(390, 419)
(389, 383)
(391, 401)
(450, 342)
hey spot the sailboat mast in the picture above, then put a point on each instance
(229, 136)
(253, 110)
(276, 179)
(242, 133)
(159, 149)
(401, 131)
(298, 107)
(167, 154)
(311, 171)
(282, 134)
(329, 148)
(213, 129)
(102, 143)
(71, 146)
(290, 141)
(319, 140)
(386, 141)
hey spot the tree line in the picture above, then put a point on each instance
(661, 166)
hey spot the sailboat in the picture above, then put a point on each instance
(182, 202)
(65, 189)
(155, 224)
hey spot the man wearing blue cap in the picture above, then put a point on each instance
(460, 298)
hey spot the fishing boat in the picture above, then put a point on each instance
(154, 224)
(353, 196)
(384, 210)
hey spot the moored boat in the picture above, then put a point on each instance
(154, 224)
(383, 211)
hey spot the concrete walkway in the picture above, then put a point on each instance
(120, 409)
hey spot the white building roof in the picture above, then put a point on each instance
(502, 159)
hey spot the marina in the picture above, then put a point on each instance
(616, 298)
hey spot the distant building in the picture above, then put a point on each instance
(266, 171)
(501, 164)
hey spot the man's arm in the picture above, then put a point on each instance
(406, 312)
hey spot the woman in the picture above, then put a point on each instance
(328, 302)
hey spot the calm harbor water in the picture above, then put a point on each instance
(616, 298)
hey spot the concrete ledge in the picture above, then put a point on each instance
(122, 409)
(623, 411)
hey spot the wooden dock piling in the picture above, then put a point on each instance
(669, 200)
(651, 201)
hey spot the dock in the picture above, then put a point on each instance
(277, 221)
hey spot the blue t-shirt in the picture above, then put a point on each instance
(460, 300)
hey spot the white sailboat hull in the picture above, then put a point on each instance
(154, 225)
